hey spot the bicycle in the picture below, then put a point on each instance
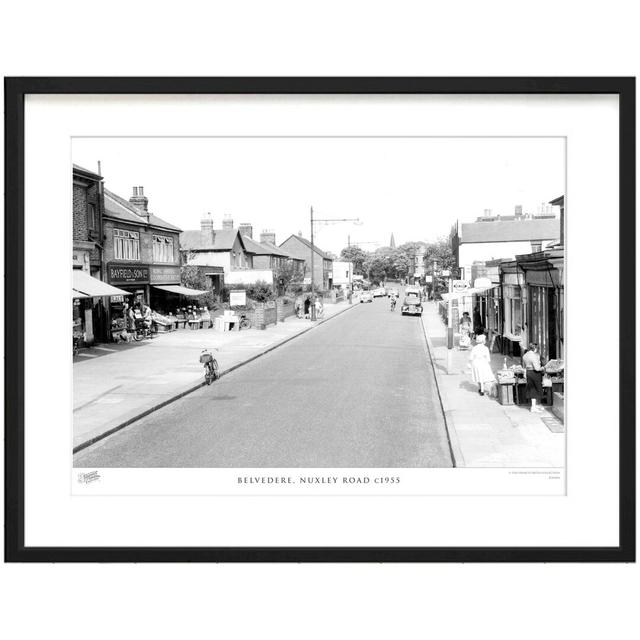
(211, 371)
(245, 322)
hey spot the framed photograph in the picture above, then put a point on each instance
(320, 319)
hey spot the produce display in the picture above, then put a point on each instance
(554, 367)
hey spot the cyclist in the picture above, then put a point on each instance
(393, 303)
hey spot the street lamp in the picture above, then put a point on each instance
(321, 221)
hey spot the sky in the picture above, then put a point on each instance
(415, 188)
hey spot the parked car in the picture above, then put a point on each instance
(412, 306)
(366, 296)
(380, 292)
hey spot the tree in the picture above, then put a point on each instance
(192, 276)
(376, 267)
(289, 274)
(355, 255)
(442, 253)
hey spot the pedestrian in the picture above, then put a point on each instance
(307, 307)
(465, 331)
(480, 360)
(533, 366)
(477, 321)
(318, 308)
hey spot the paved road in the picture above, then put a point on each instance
(356, 391)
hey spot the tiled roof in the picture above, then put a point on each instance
(117, 207)
(198, 240)
(305, 242)
(510, 230)
(263, 248)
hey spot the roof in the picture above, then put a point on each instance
(223, 240)
(305, 242)
(263, 248)
(117, 207)
(90, 174)
(510, 230)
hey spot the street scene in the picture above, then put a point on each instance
(330, 335)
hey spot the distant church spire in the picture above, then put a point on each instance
(392, 242)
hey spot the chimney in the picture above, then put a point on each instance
(518, 211)
(246, 229)
(268, 235)
(487, 213)
(206, 225)
(139, 200)
(227, 222)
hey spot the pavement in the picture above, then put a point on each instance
(483, 432)
(357, 391)
(116, 384)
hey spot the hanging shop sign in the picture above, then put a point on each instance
(164, 275)
(123, 273)
(460, 285)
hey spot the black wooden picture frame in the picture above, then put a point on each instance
(15, 91)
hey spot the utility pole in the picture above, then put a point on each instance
(322, 221)
(450, 327)
(312, 309)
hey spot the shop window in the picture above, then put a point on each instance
(162, 249)
(126, 244)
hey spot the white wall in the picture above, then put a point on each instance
(483, 251)
(341, 272)
(212, 259)
(248, 276)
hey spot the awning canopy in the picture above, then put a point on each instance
(183, 291)
(457, 295)
(86, 286)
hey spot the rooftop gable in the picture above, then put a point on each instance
(307, 244)
(117, 207)
(220, 240)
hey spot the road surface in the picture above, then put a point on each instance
(356, 391)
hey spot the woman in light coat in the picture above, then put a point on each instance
(480, 360)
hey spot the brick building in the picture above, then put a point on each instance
(89, 318)
(300, 248)
(141, 255)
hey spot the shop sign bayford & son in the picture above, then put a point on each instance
(120, 273)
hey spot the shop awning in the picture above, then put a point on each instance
(86, 286)
(457, 295)
(183, 291)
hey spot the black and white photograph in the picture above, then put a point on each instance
(360, 317)
(318, 302)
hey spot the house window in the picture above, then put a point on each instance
(162, 249)
(92, 219)
(536, 247)
(126, 244)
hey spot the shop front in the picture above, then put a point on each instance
(89, 309)
(162, 279)
(544, 275)
(133, 280)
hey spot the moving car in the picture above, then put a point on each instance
(366, 296)
(379, 292)
(412, 305)
(392, 293)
